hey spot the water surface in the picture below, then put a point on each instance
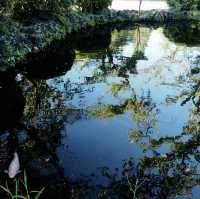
(110, 95)
(105, 91)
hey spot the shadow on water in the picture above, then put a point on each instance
(118, 96)
(41, 111)
(53, 61)
(183, 33)
(32, 117)
(92, 40)
(12, 101)
(31, 121)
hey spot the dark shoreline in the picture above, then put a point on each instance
(18, 39)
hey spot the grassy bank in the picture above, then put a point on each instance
(17, 39)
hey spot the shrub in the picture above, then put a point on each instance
(40, 8)
(184, 4)
(6, 6)
(30, 9)
(93, 6)
(34, 8)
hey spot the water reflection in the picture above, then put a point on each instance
(53, 61)
(181, 35)
(142, 102)
(33, 118)
(129, 93)
(11, 101)
(90, 41)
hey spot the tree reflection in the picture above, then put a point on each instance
(43, 114)
(113, 63)
(142, 112)
(31, 120)
(156, 175)
(93, 40)
(55, 60)
(179, 34)
(160, 175)
(11, 101)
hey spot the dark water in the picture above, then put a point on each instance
(101, 97)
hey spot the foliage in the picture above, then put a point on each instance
(40, 8)
(184, 4)
(23, 9)
(93, 5)
(7, 6)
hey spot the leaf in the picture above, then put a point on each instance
(39, 193)
(17, 196)
(6, 190)
(25, 180)
(16, 188)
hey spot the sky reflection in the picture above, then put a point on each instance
(161, 75)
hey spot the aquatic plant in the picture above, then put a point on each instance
(19, 189)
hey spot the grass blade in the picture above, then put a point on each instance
(39, 193)
(6, 190)
(17, 196)
(25, 181)
(16, 188)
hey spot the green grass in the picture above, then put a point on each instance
(19, 189)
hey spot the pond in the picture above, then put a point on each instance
(80, 109)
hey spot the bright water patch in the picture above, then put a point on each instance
(130, 94)
(110, 94)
